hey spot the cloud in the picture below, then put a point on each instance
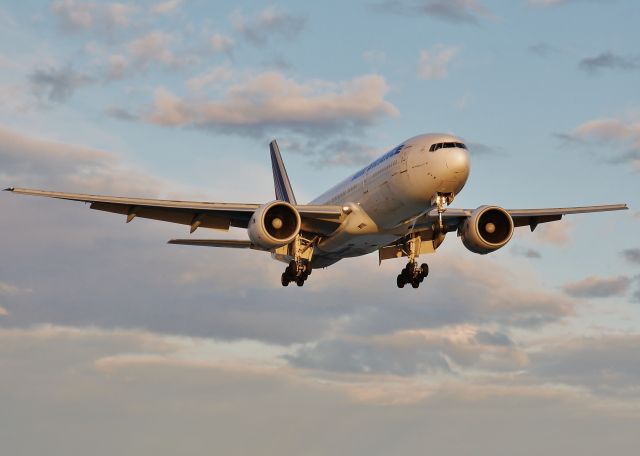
(607, 364)
(340, 152)
(57, 85)
(20, 154)
(166, 7)
(268, 23)
(221, 43)
(554, 233)
(608, 60)
(618, 135)
(74, 16)
(483, 150)
(598, 287)
(374, 56)
(456, 11)
(433, 64)
(409, 353)
(155, 47)
(631, 255)
(550, 3)
(210, 392)
(527, 253)
(8, 289)
(27, 160)
(270, 101)
(215, 76)
(543, 49)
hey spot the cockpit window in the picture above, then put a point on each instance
(446, 145)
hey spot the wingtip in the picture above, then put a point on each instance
(9, 189)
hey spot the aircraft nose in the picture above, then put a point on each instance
(457, 160)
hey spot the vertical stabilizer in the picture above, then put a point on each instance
(284, 192)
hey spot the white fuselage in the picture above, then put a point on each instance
(396, 187)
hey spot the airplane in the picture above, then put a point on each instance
(397, 205)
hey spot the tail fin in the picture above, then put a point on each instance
(284, 192)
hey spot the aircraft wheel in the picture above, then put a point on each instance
(300, 281)
(284, 280)
(415, 283)
(425, 269)
(400, 281)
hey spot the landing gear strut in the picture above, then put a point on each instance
(297, 272)
(412, 273)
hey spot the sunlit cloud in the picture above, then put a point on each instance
(598, 287)
(434, 63)
(79, 15)
(272, 101)
(619, 135)
(269, 22)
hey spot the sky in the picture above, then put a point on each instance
(113, 342)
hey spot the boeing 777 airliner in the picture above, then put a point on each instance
(397, 205)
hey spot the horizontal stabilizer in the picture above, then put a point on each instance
(228, 243)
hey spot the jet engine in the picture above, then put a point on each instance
(274, 224)
(487, 229)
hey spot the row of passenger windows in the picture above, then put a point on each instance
(446, 145)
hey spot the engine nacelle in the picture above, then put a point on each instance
(274, 224)
(487, 229)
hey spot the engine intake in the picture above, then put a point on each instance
(487, 229)
(274, 224)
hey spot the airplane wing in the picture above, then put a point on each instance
(452, 217)
(228, 243)
(317, 219)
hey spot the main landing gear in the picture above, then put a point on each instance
(412, 274)
(297, 272)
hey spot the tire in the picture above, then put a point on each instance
(415, 283)
(400, 281)
(300, 282)
(284, 280)
(425, 269)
